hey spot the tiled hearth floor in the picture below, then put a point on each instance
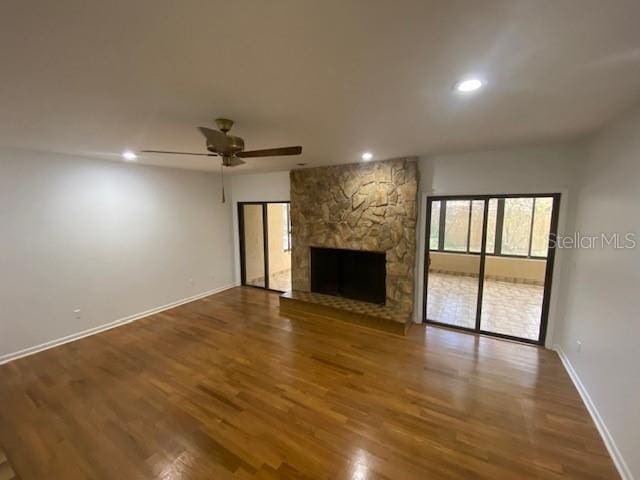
(341, 303)
(507, 308)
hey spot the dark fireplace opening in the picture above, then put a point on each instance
(355, 274)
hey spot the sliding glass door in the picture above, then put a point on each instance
(279, 246)
(265, 244)
(489, 262)
(455, 242)
(253, 261)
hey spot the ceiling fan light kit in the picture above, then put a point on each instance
(230, 148)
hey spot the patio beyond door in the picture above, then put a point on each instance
(489, 262)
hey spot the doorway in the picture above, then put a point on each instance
(489, 263)
(265, 244)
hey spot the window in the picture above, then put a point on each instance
(516, 226)
(456, 225)
(541, 226)
(491, 225)
(286, 226)
(462, 221)
(475, 229)
(434, 231)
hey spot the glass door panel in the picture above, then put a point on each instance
(253, 242)
(455, 241)
(515, 268)
(279, 251)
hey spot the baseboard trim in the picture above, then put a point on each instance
(108, 326)
(618, 460)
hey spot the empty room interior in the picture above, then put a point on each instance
(299, 239)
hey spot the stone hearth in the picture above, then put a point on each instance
(365, 206)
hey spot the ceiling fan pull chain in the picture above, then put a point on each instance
(222, 179)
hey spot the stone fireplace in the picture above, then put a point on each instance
(367, 207)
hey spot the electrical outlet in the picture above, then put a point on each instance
(77, 313)
(191, 282)
(578, 346)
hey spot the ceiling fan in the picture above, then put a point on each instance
(230, 148)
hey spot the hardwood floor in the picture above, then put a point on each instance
(6, 472)
(226, 388)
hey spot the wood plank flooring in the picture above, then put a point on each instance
(227, 388)
(6, 472)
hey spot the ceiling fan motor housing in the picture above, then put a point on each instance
(234, 145)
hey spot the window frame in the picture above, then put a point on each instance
(499, 225)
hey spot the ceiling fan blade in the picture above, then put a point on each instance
(215, 139)
(180, 153)
(271, 152)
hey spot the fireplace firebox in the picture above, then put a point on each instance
(355, 274)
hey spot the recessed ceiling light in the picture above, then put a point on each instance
(366, 156)
(129, 155)
(468, 85)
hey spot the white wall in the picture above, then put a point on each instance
(535, 169)
(263, 187)
(603, 304)
(108, 238)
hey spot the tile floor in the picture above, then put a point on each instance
(507, 308)
(277, 281)
(280, 281)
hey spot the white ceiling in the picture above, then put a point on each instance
(94, 78)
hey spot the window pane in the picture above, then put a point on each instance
(491, 225)
(434, 230)
(517, 226)
(286, 228)
(475, 237)
(456, 225)
(541, 227)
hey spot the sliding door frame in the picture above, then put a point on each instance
(551, 251)
(265, 236)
